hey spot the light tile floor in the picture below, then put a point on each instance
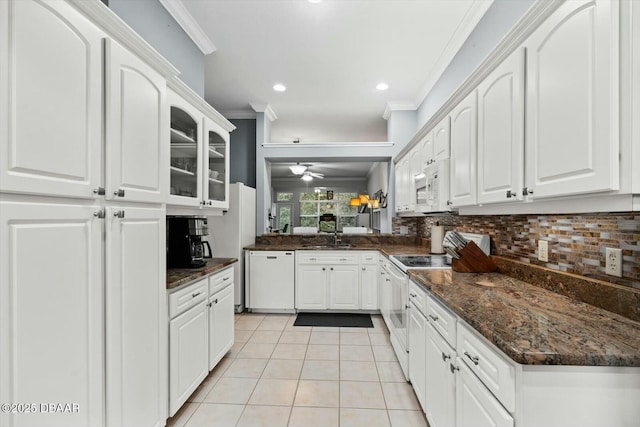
(277, 374)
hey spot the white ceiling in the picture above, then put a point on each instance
(330, 56)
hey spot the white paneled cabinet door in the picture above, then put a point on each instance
(475, 405)
(440, 392)
(463, 152)
(572, 101)
(441, 140)
(417, 353)
(369, 287)
(426, 150)
(51, 313)
(221, 312)
(136, 317)
(399, 193)
(188, 354)
(136, 128)
(50, 100)
(501, 132)
(311, 287)
(344, 287)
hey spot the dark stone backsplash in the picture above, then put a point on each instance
(577, 242)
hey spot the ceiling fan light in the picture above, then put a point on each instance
(298, 169)
(306, 177)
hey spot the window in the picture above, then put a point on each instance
(312, 205)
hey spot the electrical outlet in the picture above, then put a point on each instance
(543, 250)
(614, 262)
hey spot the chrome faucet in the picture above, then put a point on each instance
(336, 240)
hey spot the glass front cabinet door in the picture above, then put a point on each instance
(199, 169)
(216, 167)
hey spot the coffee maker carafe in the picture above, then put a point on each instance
(185, 247)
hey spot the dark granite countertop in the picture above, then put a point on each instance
(393, 249)
(180, 276)
(532, 325)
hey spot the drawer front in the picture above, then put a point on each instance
(182, 300)
(221, 279)
(495, 372)
(369, 257)
(326, 257)
(418, 296)
(442, 320)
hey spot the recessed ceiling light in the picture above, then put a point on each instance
(279, 87)
(382, 86)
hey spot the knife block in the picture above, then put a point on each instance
(473, 260)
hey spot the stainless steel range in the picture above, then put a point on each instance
(406, 262)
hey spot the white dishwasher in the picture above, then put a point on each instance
(271, 283)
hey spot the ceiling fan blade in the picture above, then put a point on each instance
(317, 175)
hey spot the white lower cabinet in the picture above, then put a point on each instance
(221, 312)
(136, 317)
(188, 345)
(329, 280)
(51, 312)
(344, 287)
(417, 352)
(369, 287)
(475, 405)
(440, 391)
(200, 332)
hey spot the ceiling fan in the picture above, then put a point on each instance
(304, 172)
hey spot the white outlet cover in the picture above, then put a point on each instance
(613, 265)
(543, 250)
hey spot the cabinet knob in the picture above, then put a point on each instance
(210, 203)
(118, 214)
(434, 318)
(215, 301)
(99, 214)
(331, 268)
(445, 357)
(526, 191)
(364, 268)
(99, 191)
(323, 269)
(510, 194)
(412, 295)
(453, 368)
(449, 202)
(119, 192)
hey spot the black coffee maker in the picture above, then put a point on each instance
(185, 247)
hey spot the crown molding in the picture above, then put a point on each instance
(460, 35)
(187, 22)
(531, 20)
(266, 109)
(239, 114)
(397, 106)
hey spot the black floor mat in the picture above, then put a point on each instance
(336, 320)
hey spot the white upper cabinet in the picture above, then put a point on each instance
(572, 101)
(199, 157)
(441, 140)
(463, 152)
(501, 132)
(426, 150)
(50, 100)
(136, 117)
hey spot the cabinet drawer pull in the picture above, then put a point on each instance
(272, 257)
(195, 294)
(474, 359)
(434, 318)
(312, 259)
(343, 259)
(225, 279)
(412, 295)
(445, 357)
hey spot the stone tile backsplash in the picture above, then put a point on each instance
(576, 242)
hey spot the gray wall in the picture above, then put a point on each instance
(152, 21)
(243, 152)
(494, 25)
